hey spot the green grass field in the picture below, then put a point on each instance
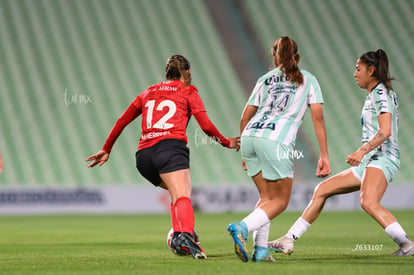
(136, 244)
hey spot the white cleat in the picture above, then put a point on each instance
(407, 249)
(282, 245)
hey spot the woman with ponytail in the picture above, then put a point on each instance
(374, 165)
(162, 156)
(269, 123)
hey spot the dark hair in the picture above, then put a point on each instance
(177, 66)
(285, 50)
(379, 60)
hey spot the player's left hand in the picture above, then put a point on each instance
(101, 157)
(355, 159)
(323, 169)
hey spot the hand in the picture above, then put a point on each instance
(235, 143)
(354, 159)
(101, 157)
(324, 168)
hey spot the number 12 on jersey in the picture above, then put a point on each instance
(162, 122)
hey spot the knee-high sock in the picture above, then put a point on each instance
(174, 221)
(261, 235)
(396, 233)
(298, 229)
(256, 219)
(185, 214)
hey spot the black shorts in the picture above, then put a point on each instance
(166, 156)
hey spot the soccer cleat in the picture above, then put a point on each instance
(283, 245)
(188, 244)
(239, 233)
(408, 251)
(261, 254)
(176, 246)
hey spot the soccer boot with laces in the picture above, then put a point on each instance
(261, 254)
(176, 246)
(407, 249)
(239, 233)
(188, 244)
(283, 245)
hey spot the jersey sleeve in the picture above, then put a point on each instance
(194, 101)
(131, 113)
(208, 127)
(315, 93)
(381, 100)
(257, 95)
(199, 112)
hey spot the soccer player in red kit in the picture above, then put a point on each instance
(162, 156)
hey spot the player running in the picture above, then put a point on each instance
(162, 156)
(375, 163)
(269, 124)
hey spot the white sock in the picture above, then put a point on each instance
(256, 219)
(396, 233)
(261, 235)
(298, 229)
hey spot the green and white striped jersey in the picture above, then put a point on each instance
(281, 106)
(380, 101)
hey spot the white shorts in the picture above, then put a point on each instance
(271, 158)
(378, 160)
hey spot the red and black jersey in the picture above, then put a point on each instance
(166, 108)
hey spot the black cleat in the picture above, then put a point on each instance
(188, 245)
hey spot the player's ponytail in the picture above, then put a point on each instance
(285, 50)
(177, 66)
(379, 60)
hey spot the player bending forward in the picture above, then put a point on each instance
(162, 156)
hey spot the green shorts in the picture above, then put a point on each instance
(272, 158)
(378, 160)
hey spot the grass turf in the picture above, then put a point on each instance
(337, 243)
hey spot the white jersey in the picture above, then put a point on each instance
(380, 101)
(281, 106)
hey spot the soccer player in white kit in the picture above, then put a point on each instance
(270, 121)
(375, 163)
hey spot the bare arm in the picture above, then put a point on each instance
(384, 132)
(324, 168)
(248, 112)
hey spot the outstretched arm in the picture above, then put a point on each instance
(208, 127)
(132, 112)
(384, 132)
(324, 167)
